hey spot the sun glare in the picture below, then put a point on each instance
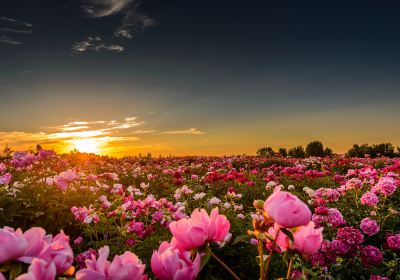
(87, 145)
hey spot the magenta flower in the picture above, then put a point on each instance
(371, 255)
(286, 209)
(350, 236)
(393, 242)
(38, 241)
(12, 244)
(369, 226)
(5, 179)
(168, 263)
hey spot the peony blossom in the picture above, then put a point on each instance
(168, 263)
(200, 228)
(307, 239)
(39, 270)
(12, 244)
(286, 209)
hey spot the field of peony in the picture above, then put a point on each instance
(82, 216)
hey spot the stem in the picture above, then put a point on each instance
(223, 264)
(261, 252)
(270, 256)
(289, 268)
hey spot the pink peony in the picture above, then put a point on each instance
(12, 244)
(307, 239)
(5, 179)
(38, 241)
(39, 270)
(124, 267)
(286, 209)
(168, 263)
(369, 226)
(200, 228)
(393, 241)
(369, 199)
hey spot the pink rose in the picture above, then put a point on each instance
(286, 209)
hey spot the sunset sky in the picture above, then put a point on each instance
(204, 77)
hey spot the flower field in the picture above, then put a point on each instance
(82, 216)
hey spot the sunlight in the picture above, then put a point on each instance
(87, 145)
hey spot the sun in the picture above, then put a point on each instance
(86, 145)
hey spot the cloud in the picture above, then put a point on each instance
(104, 8)
(65, 136)
(13, 26)
(191, 131)
(95, 44)
(20, 31)
(7, 40)
(20, 23)
(132, 19)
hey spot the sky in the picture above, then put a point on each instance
(207, 77)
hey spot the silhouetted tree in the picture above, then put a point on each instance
(282, 152)
(315, 149)
(297, 152)
(328, 152)
(376, 150)
(265, 152)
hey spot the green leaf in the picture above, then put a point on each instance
(204, 258)
(240, 238)
(288, 233)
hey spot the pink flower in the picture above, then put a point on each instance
(393, 241)
(124, 267)
(200, 228)
(286, 209)
(78, 240)
(369, 199)
(39, 270)
(127, 267)
(5, 179)
(282, 242)
(37, 243)
(307, 239)
(369, 226)
(59, 252)
(12, 244)
(168, 263)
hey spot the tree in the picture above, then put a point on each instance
(315, 149)
(376, 150)
(282, 152)
(297, 152)
(328, 152)
(265, 152)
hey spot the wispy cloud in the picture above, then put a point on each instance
(95, 44)
(103, 8)
(17, 22)
(13, 26)
(132, 21)
(13, 30)
(8, 40)
(192, 131)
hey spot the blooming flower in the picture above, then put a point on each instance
(286, 209)
(371, 255)
(169, 263)
(369, 226)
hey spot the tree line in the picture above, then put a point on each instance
(317, 149)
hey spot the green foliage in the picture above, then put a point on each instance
(376, 150)
(315, 149)
(265, 152)
(297, 152)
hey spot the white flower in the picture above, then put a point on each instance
(227, 205)
(240, 216)
(198, 196)
(214, 201)
(291, 187)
